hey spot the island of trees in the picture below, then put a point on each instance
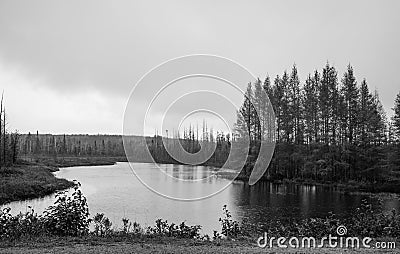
(329, 129)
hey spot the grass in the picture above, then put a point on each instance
(32, 177)
(73, 161)
(28, 180)
(158, 244)
(123, 244)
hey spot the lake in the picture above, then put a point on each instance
(116, 191)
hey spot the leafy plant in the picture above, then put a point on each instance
(126, 225)
(182, 230)
(230, 227)
(102, 225)
(27, 224)
(69, 216)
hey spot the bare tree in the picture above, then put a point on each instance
(1, 126)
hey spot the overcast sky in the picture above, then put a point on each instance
(69, 66)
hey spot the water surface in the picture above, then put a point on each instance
(116, 191)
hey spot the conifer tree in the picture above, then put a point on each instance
(351, 97)
(396, 117)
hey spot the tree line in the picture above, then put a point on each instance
(327, 128)
(58, 146)
(163, 149)
(36, 146)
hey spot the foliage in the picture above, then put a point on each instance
(126, 225)
(364, 221)
(102, 225)
(331, 120)
(396, 116)
(182, 230)
(22, 225)
(69, 215)
(60, 148)
(26, 181)
(229, 227)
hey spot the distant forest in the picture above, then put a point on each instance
(327, 128)
(37, 146)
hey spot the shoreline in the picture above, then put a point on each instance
(120, 243)
(26, 181)
(33, 177)
(20, 182)
(351, 187)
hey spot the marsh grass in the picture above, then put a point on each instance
(27, 181)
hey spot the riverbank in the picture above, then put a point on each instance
(390, 187)
(33, 177)
(158, 245)
(346, 187)
(74, 161)
(349, 187)
(66, 229)
(29, 180)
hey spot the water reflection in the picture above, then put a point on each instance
(115, 191)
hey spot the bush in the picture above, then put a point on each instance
(102, 225)
(230, 227)
(69, 216)
(182, 230)
(22, 225)
(365, 221)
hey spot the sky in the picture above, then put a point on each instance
(69, 66)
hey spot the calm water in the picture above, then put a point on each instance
(116, 191)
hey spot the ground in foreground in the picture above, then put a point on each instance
(164, 245)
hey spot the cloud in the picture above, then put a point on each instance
(31, 107)
(83, 57)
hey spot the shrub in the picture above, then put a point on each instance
(365, 221)
(126, 225)
(25, 225)
(182, 230)
(102, 225)
(185, 231)
(230, 227)
(69, 216)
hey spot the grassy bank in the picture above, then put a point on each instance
(32, 177)
(28, 180)
(74, 161)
